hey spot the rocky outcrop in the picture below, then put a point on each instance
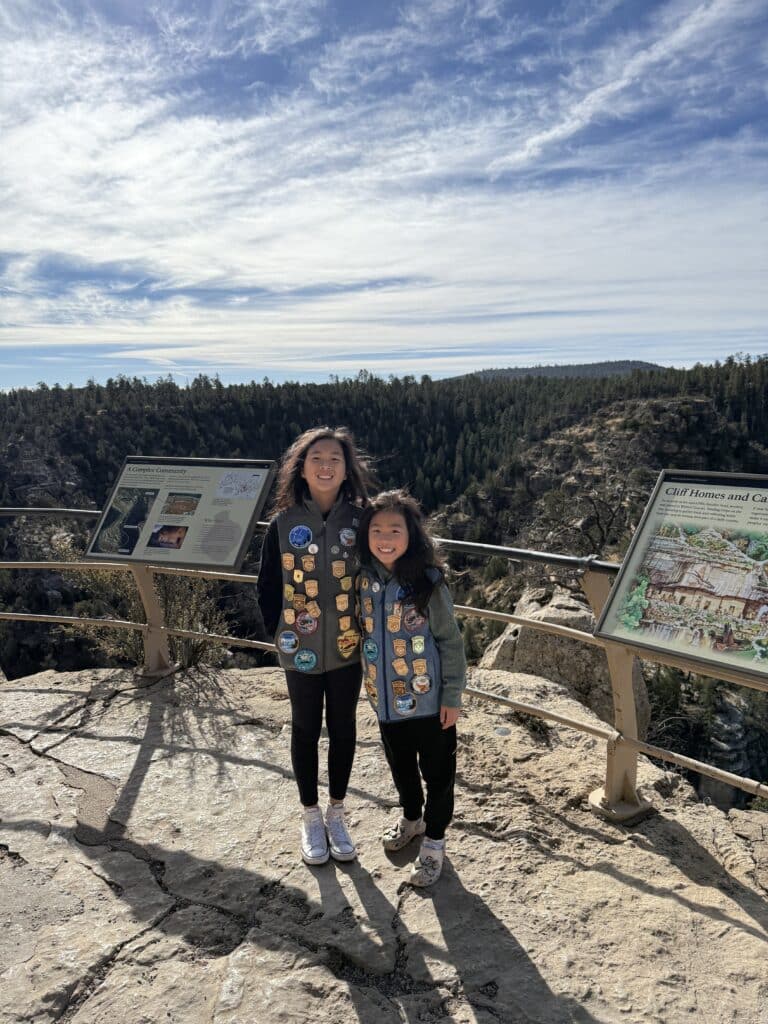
(149, 872)
(582, 669)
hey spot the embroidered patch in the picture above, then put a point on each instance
(314, 609)
(373, 693)
(338, 568)
(307, 563)
(345, 623)
(417, 643)
(313, 549)
(368, 623)
(305, 661)
(347, 537)
(405, 704)
(400, 665)
(419, 666)
(412, 620)
(288, 592)
(346, 583)
(299, 601)
(399, 647)
(365, 583)
(393, 623)
(289, 615)
(347, 643)
(370, 649)
(312, 588)
(288, 562)
(300, 536)
(371, 672)
(342, 602)
(305, 624)
(368, 605)
(421, 684)
(335, 549)
(375, 586)
(288, 642)
(298, 576)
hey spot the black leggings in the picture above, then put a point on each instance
(420, 749)
(340, 688)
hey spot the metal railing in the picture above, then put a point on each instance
(617, 800)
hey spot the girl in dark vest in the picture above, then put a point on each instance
(306, 596)
(414, 670)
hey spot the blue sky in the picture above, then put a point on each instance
(299, 188)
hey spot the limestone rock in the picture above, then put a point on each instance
(149, 872)
(582, 669)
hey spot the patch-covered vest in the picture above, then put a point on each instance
(401, 663)
(317, 630)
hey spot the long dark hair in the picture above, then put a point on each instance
(292, 487)
(421, 567)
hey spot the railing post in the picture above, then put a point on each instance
(618, 799)
(157, 656)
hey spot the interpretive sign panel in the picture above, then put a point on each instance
(694, 582)
(196, 513)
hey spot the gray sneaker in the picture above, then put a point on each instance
(429, 864)
(339, 839)
(399, 835)
(314, 843)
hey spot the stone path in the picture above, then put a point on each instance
(149, 873)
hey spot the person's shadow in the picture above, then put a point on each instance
(468, 956)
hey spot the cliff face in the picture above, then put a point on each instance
(149, 871)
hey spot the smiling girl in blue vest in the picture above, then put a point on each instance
(306, 596)
(414, 670)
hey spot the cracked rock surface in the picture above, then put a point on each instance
(149, 872)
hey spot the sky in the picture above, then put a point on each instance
(295, 189)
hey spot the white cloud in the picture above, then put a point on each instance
(373, 166)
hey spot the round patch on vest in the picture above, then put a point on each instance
(421, 684)
(305, 624)
(406, 704)
(375, 586)
(300, 536)
(412, 620)
(347, 537)
(370, 649)
(313, 549)
(288, 642)
(305, 661)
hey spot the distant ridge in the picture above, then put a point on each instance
(617, 368)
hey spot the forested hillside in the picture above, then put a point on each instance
(559, 464)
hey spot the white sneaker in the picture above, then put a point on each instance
(397, 836)
(339, 839)
(314, 843)
(429, 864)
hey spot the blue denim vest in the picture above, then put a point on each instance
(401, 662)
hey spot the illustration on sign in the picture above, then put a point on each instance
(695, 580)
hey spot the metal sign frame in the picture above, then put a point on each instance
(712, 626)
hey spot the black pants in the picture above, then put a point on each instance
(340, 690)
(423, 749)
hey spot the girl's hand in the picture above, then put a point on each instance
(449, 716)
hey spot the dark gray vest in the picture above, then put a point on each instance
(401, 662)
(317, 630)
